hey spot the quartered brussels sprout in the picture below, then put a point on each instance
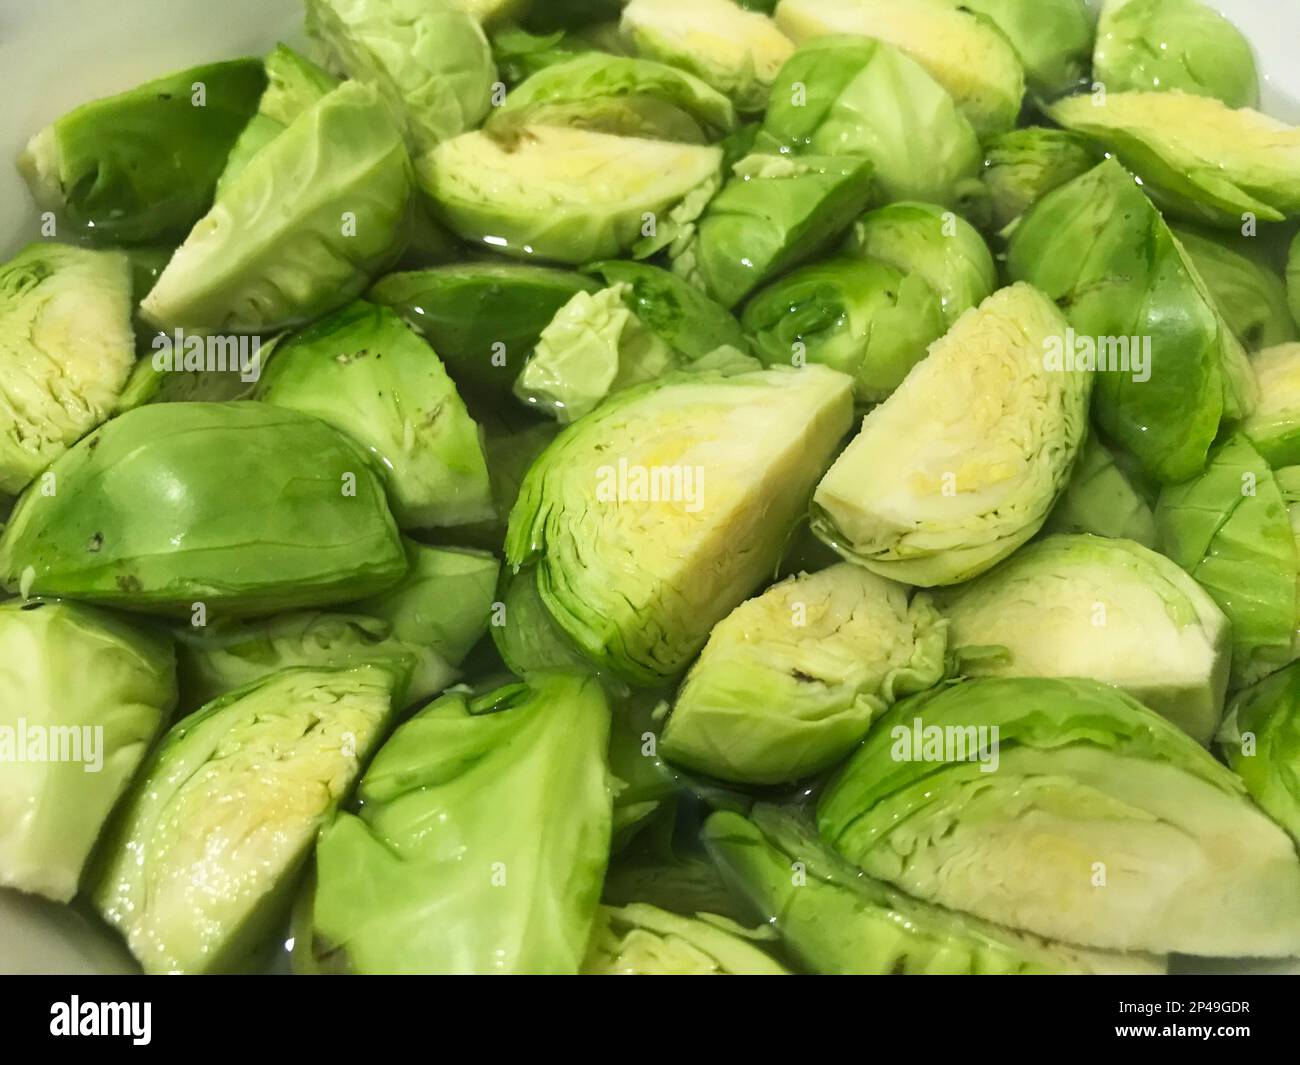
(856, 96)
(199, 870)
(1197, 158)
(773, 213)
(459, 860)
(836, 921)
(1100, 823)
(1101, 498)
(628, 526)
(1168, 368)
(643, 940)
(1230, 530)
(1174, 45)
(965, 54)
(66, 352)
(1250, 295)
(84, 696)
(1024, 165)
(141, 166)
(618, 94)
(571, 195)
(299, 231)
(483, 319)
(736, 51)
(860, 316)
(364, 372)
(790, 681)
(1274, 426)
(1112, 610)
(428, 60)
(936, 245)
(241, 508)
(1261, 740)
(963, 463)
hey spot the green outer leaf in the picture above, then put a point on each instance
(1274, 427)
(1261, 740)
(1024, 165)
(643, 940)
(1250, 296)
(1101, 500)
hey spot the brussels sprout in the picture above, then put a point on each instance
(617, 94)
(66, 352)
(643, 940)
(1274, 427)
(773, 213)
(200, 868)
(790, 681)
(1230, 530)
(963, 53)
(629, 523)
(437, 874)
(1101, 499)
(962, 464)
(428, 59)
(836, 921)
(856, 96)
(1103, 825)
(1260, 738)
(85, 695)
(1250, 295)
(1112, 610)
(299, 230)
(1024, 165)
(239, 508)
(364, 372)
(482, 319)
(736, 51)
(1197, 158)
(1182, 45)
(1168, 368)
(570, 195)
(923, 239)
(858, 316)
(141, 166)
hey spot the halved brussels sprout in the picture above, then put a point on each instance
(966, 55)
(85, 695)
(1197, 157)
(141, 166)
(1024, 165)
(628, 523)
(1249, 294)
(300, 229)
(963, 463)
(1274, 427)
(1112, 610)
(199, 870)
(1103, 500)
(483, 319)
(66, 352)
(570, 195)
(773, 213)
(241, 507)
(790, 681)
(836, 921)
(859, 316)
(1067, 809)
(364, 372)
(1261, 740)
(1184, 45)
(437, 874)
(643, 940)
(428, 59)
(1229, 529)
(1168, 368)
(934, 244)
(856, 96)
(736, 51)
(618, 94)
